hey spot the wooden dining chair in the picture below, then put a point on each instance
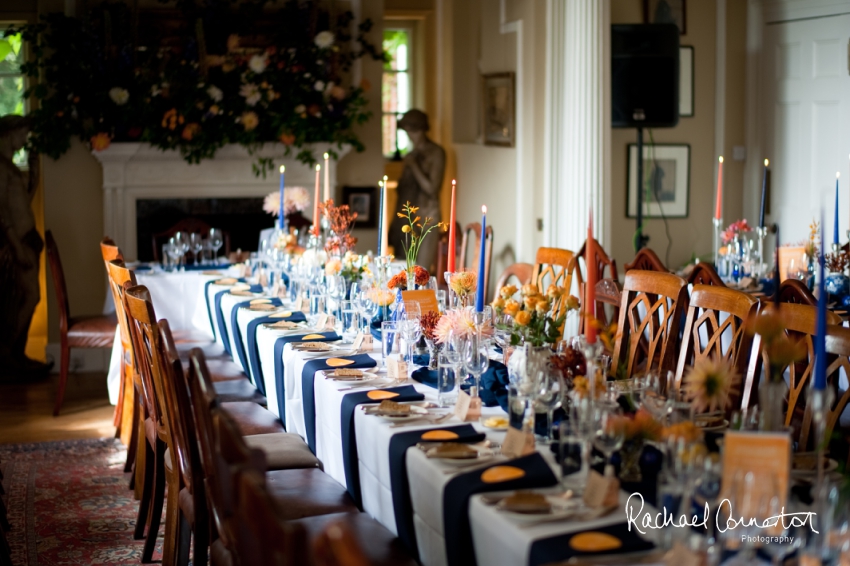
(86, 331)
(800, 324)
(606, 269)
(109, 251)
(704, 274)
(443, 253)
(647, 260)
(521, 272)
(469, 262)
(609, 295)
(794, 291)
(837, 347)
(716, 327)
(555, 266)
(648, 329)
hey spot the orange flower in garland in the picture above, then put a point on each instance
(100, 141)
(172, 119)
(190, 131)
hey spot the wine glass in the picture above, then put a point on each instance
(196, 245)
(550, 386)
(336, 287)
(610, 433)
(476, 358)
(216, 241)
(182, 241)
(411, 329)
(175, 252)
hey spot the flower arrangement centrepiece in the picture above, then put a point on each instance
(463, 285)
(200, 86)
(295, 201)
(341, 221)
(415, 232)
(537, 318)
(428, 323)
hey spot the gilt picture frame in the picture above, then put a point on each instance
(363, 201)
(498, 100)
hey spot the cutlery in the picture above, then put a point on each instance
(580, 515)
(422, 420)
(363, 385)
(472, 466)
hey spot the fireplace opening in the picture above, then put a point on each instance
(242, 218)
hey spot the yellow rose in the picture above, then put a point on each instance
(511, 307)
(522, 318)
(542, 306)
(553, 292)
(529, 289)
(572, 302)
(498, 304)
(530, 301)
(508, 291)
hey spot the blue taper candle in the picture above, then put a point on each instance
(835, 236)
(380, 216)
(776, 280)
(763, 194)
(281, 219)
(479, 292)
(820, 329)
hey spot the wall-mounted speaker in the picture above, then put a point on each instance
(644, 76)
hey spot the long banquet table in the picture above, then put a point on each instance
(192, 301)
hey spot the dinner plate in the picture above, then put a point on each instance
(558, 507)
(365, 378)
(416, 412)
(484, 422)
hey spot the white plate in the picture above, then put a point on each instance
(560, 507)
(365, 378)
(416, 412)
(483, 421)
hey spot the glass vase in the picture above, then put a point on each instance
(630, 455)
(772, 402)
(434, 349)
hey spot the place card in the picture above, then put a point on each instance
(427, 299)
(594, 541)
(396, 368)
(363, 341)
(284, 314)
(499, 474)
(517, 443)
(467, 408)
(601, 491)
(380, 394)
(767, 455)
(322, 321)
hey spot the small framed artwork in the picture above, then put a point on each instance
(666, 12)
(666, 180)
(686, 81)
(363, 201)
(498, 109)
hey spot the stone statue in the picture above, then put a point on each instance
(20, 249)
(420, 183)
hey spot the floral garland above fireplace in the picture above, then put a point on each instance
(198, 78)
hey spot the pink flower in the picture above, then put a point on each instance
(457, 320)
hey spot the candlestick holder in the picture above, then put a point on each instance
(820, 400)
(718, 230)
(382, 269)
(761, 233)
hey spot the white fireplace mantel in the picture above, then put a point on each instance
(135, 171)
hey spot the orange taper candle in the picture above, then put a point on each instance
(452, 235)
(590, 291)
(316, 226)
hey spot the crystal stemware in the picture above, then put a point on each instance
(216, 241)
(476, 359)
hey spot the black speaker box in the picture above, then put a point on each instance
(644, 76)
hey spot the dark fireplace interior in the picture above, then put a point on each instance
(241, 218)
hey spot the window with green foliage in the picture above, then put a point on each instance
(396, 90)
(12, 79)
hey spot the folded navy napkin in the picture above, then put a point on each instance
(279, 344)
(350, 461)
(493, 385)
(199, 267)
(399, 487)
(219, 314)
(456, 494)
(207, 299)
(557, 548)
(308, 400)
(253, 353)
(237, 336)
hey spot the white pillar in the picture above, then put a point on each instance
(578, 119)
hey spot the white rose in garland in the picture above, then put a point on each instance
(258, 63)
(251, 93)
(119, 95)
(215, 93)
(324, 39)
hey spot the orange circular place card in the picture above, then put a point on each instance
(380, 394)
(313, 337)
(339, 362)
(439, 435)
(284, 314)
(260, 301)
(498, 474)
(594, 541)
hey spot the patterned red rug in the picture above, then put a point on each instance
(69, 504)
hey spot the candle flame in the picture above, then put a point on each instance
(326, 156)
(454, 182)
(483, 209)
(766, 162)
(720, 159)
(381, 183)
(282, 168)
(385, 178)
(318, 167)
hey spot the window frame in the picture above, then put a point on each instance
(410, 27)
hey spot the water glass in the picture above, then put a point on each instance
(350, 319)
(446, 381)
(216, 239)
(390, 340)
(571, 450)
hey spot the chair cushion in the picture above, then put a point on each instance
(92, 331)
(284, 451)
(307, 492)
(252, 418)
(221, 368)
(379, 545)
(238, 390)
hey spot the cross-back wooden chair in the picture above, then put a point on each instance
(469, 262)
(146, 345)
(522, 272)
(716, 327)
(647, 260)
(554, 266)
(704, 274)
(794, 291)
(648, 330)
(89, 331)
(109, 251)
(800, 324)
(603, 264)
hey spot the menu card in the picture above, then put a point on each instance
(767, 455)
(427, 299)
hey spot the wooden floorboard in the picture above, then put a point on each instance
(26, 410)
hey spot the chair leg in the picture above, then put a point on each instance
(141, 462)
(201, 534)
(184, 540)
(172, 518)
(64, 362)
(119, 406)
(134, 439)
(157, 501)
(146, 491)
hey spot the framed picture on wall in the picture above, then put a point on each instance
(666, 12)
(497, 105)
(666, 180)
(363, 201)
(686, 81)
